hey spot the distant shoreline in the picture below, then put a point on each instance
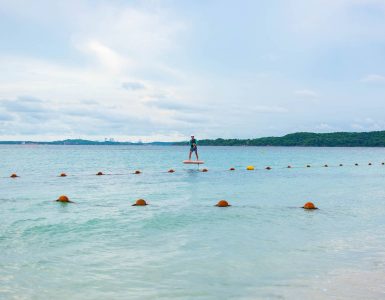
(302, 139)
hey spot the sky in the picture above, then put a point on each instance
(164, 70)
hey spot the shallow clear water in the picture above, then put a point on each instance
(181, 246)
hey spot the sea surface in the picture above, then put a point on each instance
(180, 246)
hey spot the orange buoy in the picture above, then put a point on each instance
(171, 171)
(99, 173)
(140, 202)
(64, 199)
(137, 172)
(222, 203)
(309, 205)
(232, 169)
(308, 166)
(63, 175)
(14, 175)
(204, 170)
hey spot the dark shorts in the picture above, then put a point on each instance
(193, 149)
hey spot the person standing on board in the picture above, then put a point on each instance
(193, 147)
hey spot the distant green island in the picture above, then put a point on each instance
(302, 139)
(308, 139)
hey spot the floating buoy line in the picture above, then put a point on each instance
(221, 203)
(204, 170)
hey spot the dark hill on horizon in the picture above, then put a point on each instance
(306, 139)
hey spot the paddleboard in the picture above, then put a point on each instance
(194, 162)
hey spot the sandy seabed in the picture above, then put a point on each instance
(341, 284)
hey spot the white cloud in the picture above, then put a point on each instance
(368, 124)
(268, 109)
(325, 126)
(119, 48)
(306, 93)
(148, 68)
(322, 22)
(271, 57)
(133, 85)
(357, 126)
(107, 57)
(373, 78)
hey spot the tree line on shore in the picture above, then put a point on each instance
(306, 139)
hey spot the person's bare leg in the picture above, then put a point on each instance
(189, 157)
(196, 153)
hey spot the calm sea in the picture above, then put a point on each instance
(180, 246)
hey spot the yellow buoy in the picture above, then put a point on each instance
(222, 203)
(309, 205)
(250, 168)
(140, 202)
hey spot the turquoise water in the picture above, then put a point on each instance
(180, 246)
